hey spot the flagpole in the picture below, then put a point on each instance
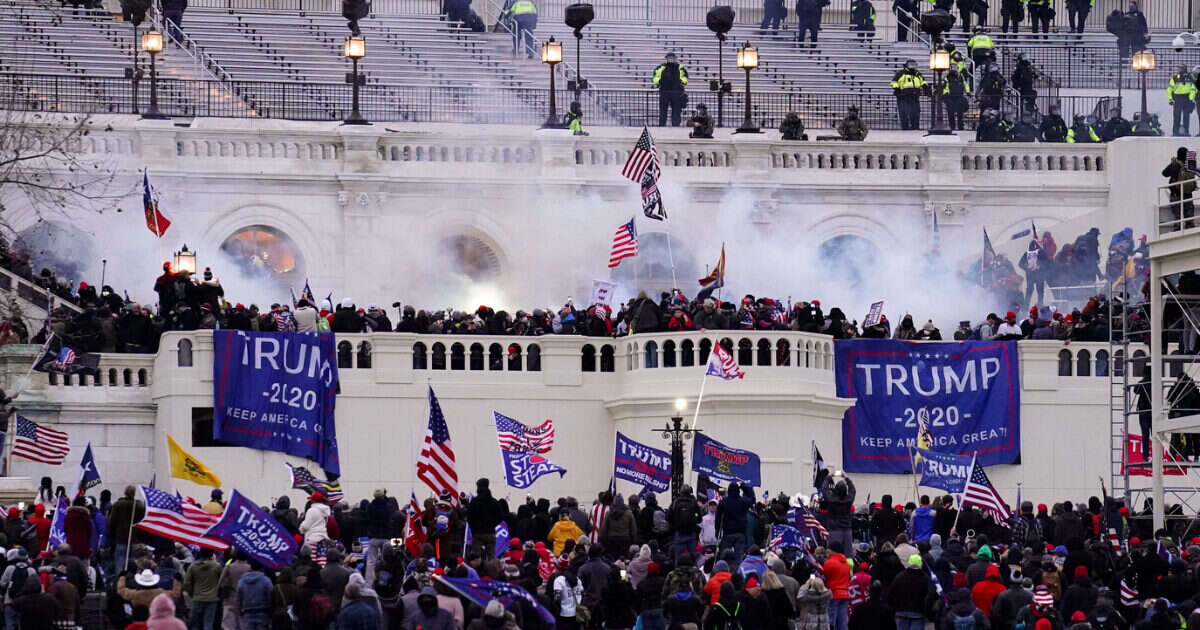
(671, 257)
(696, 413)
(960, 495)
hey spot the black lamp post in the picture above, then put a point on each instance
(720, 20)
(1143, 63)
(578, 16)
(355, 49)
(939, 62)
(152, 43)
(552, 56)
(678, 434)
(747, 59)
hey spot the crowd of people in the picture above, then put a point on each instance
(704, 560)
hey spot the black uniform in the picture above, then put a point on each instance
(774, 13)
(1011, 12)
(1054, 128)
(808, 18)
(965, 9)
(991, 88)
(1077, 13)
(955, 94)
(670, 77)
(1022, 81)
(903, 23)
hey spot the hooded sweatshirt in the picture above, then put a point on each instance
(922, 523)
(314, 525)
(162, 614)
(985, 592)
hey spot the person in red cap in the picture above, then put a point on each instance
(1081, 595)
(314, 526)
(1008, 329)
(1029, 323)
(1079, 621)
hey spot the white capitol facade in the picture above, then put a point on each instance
(352, 200)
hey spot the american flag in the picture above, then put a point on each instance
(319, 553)
(643, 156)
(304, 480)
(721, 363)
(624, 245)
(414, 532)
(435, 466)
(805, 519)
(980, 492)
(169, 516)
(40, 444)
(515, 436)
(1129, 595)
(66, 357)
(784, 536)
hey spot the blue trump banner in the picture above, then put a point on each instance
(58, 526)
(961, 397)
(252, 531)
(712, 458)
(503, 540)
(483, 591)
(785, 537)
(641, 464)
(522, 469)
(944, 470)
(276, 392)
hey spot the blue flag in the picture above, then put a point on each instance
(785, 536)
(252, 531)
(58, 529)
(276, 392)
(89, 475)
(641, 464)
(502, 539)
(946, 471)
(522, 469)
(718, 461)
(468, 538)
(483, 591)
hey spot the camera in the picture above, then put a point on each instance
(1178, 43)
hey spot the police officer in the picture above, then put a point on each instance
(1053, 128)
(1081, 132)
(1181, 96)
(1077, 13)
(1012, 11)
(1115, 127)
(574, 120)
(980, 47)
(965, 9)
(906, 13)
(1023, 77)
(955, 95)
(990, 128)
(774, 12)
(808, 18)
(991, 87)
(862, 17)
(701, 123)
(670, 77)
(908, 84)
(524, 17)
(1040, 13)
(792, 128)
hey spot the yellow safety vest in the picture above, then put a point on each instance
(1185, 86)
(980, 41)
(522, 7)
(908, 80)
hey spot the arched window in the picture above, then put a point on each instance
(345, 355)
(1083, 363)
(1119, 363)
(1064, 362)
(533, 358)
(83, 379)
(783, 352)
(668, 353)
(745, 353)
(608, 360)
(184, 348)
(1102, 363)
(764, 353)
(438, 361)
(588, 360)
(514, 357)
(630, 352)
(705, 349)
(127, 377)
(66, 379)
(364, 355)
(688, 356)
(143, 378)
(458, 360)
(495, 357)
(420, 360)
(651, 354)
(476, 357)
(112, 377)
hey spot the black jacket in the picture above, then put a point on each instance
(379, 518)
(909, 592)
(174, 5)
(484, 513)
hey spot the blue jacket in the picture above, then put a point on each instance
(922, 523)
(254, 593)
(360, 615)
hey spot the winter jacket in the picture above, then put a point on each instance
(315, 524)
(306, 319)
(254, 593)
(984, 594)
(286, 516)
(922, 523)
(837, 576)
(909, 591)
(78, 527)
(619, 529)
(200, 581)
(814, 609)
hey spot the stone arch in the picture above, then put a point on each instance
(312, 248)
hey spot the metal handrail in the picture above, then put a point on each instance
(201, 60)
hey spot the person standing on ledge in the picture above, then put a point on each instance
(671, 78)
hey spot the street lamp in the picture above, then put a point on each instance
(747, 59)
(939, 62)
(552, 56)
(355, 49)
(719, 20)
(578, 16)
(152, 43)
(677, 433)
(185, 260)
(1143, 63)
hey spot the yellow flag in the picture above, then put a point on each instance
(184, 466)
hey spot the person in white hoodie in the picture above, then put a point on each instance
(306, 317)
(708, 525)
(314, 528)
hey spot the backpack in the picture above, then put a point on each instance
(321, 610)
(964, 623)
(20, 574)
(732, 622)
(1114, 22)
(660, 522)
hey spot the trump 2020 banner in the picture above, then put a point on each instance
(726, 463)
(966, 394)
(944, 471)
(276, 392)
(252, 531)
(648, 467)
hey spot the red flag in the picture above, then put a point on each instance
(414, 532)
(155, 221)
(1139, 465)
